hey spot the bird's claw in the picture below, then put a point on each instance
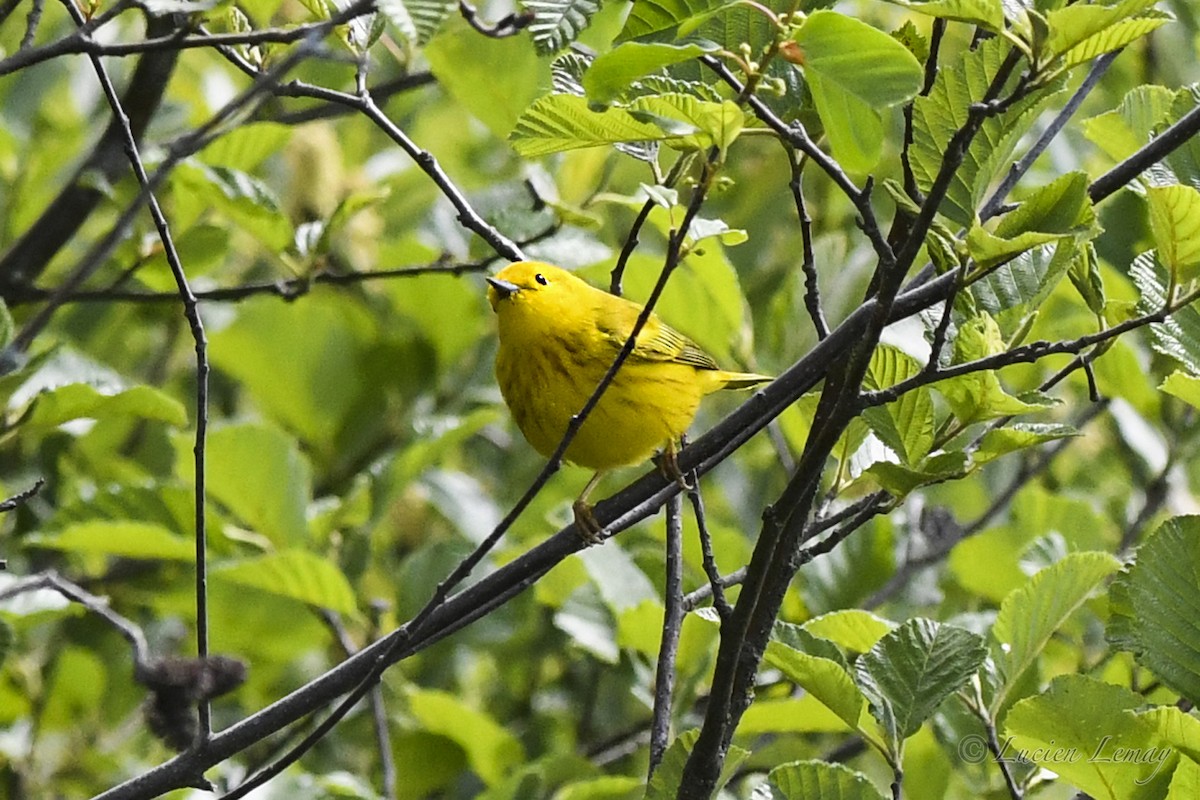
(668, 465)
(586, 525)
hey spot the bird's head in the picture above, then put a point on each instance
(534, 287)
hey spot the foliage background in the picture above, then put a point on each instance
(358, 449)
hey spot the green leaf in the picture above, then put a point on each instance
(646, 18)
(857, 59)
(6, 325)
(1184, 386)
(1154, 609)
(1075, 729)
(247, 201)
(911, 670)
(979, 396)
(900, 481)
(1024, 282)
(989, 250)
(119, 538)
(494, 79)
(906, 424)
(802, 780)
(1018, 436)
(1060, 207)
(698, 124)
(560, 122)
(6, 639)
(247, 146)
(1079, 33)
(621, 582)
(1178, 336)
(853, 69)
(260, 475)
(1175, 221)
(303, 363)
(1031, 614)
(1123, 131)
(940, 114)
(417, 20)
(665, 782)
(295, 574)
(985, 13)
(492, 751)
(825, 679)
(852, 628)
(612, 72)
(557, 23)
(81, 401)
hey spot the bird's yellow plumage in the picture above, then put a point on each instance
(559, 335)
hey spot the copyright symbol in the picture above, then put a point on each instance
(972, 748)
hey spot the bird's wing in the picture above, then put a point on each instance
(656, 341)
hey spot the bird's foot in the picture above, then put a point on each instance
(586, 525)
(668, 465)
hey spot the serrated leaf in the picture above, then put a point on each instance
(1154, 609)
(1178, 336)
(713, 123)
(6, 325)
(858, 59)
(120, 538)
(661, 15)
(611, 73)
(259, 474)
(1081, 32)
(1031, 614)
(911, 670)
(1124, 130)
(906, 425)
(1018, 436)
(557, 23)
(987, 250)
(979, 396)
(1025, 281)
(1175, 222)
(940, 114)
(296, 574)
(560, 122)
(985, 13)
(1078, 729)
(1060, 207)
(417, 20)
(804, 780)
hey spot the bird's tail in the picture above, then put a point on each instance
(742, 380)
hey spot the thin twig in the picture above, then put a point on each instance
(808, 262)
(191, 312)
(509, 25)
(715, 585)
(668, 648)
(97, 605)
(21, 497)
(1018, 170)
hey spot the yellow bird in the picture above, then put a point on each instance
(558, 337)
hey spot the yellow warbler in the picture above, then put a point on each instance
(558, 336)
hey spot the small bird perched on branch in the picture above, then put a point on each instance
(559, 336)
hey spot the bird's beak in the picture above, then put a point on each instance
(502, 288)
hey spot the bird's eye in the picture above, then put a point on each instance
(540, 278)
